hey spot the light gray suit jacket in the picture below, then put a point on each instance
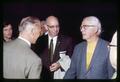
(100, 67)
(19, 61)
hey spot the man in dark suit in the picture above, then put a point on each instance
(60, 44)
(90, 59)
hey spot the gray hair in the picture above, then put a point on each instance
(98, 23)
(28, 21)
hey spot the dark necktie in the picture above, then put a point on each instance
(51, 50)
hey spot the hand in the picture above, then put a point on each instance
(54, 66)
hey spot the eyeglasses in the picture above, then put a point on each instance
(57, 26)
(87, 26)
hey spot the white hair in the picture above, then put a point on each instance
(97, 21)
(27, 22)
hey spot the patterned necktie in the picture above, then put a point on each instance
(51, 50)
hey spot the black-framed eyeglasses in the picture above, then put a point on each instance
(52, 26)
(87, 26)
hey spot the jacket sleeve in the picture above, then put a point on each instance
(64, 62)
(71, 72)
(35, 70)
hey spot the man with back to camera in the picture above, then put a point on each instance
(19, 61)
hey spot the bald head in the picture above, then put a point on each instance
(52, 25)
(52, 20)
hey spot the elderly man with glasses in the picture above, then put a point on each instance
(90, 59)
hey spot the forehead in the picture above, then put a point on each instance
(7, 27)
(89, 22)
(52, 21)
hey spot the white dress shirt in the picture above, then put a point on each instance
(64, 60)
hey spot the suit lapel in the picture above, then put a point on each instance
(95, 55)
(83, 60)
(57, 46)
(93, 60)
(57, 49)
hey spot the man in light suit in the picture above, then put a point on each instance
(19, 61)
(90, 59)
(61, 44)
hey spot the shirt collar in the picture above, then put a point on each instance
(54, 38)
(25, 40)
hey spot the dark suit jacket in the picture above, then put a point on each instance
(64, 43)
(100, 67)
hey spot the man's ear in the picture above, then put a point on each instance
(98, 31)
